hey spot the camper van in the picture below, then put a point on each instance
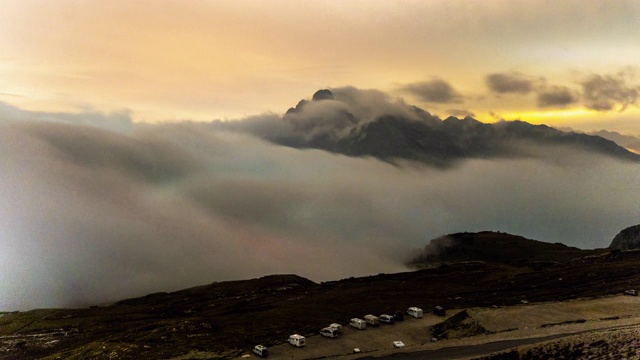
(261, 350)
(415, 312)
(358, 323)
(372, 320)
(388, 319)
(296, 340)
(337, 327)
(329, 332)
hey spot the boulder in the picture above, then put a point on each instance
(627, 239)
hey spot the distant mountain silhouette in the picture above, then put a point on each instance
(629, 142)
(326, 123)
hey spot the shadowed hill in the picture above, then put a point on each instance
(497, 247)
(225, 319)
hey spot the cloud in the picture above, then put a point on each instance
(434, 91)
(556, 96)
(460, 113)
(120, 121)
(90, 215)
(609, 92)
(348, 109)
(509, 83)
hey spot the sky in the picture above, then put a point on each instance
(570, 64)
(117, 179)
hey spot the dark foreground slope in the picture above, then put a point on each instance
(230, 317)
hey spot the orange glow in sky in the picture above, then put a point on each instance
(203, 60)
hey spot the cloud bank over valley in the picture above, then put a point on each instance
(92, 214)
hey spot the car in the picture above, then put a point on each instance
(387, 319)
(440, 311)
(398, 315)
(631, 292)
(398, 344)
(261, 350)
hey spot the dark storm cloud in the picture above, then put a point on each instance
(434, 91)
(91, 215)
(609, 92)
(510, 83)
(556, 96)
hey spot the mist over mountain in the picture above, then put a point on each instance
(358, 122)
(98, 208)
(629, 142)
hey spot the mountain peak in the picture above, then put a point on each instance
(323, 94)
(369, 123)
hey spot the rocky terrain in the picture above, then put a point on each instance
(627, 239)
(226, 319)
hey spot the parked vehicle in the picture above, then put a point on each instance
(631, 292)
(337, 327)
(416, 312)
(372, 320)
(296, 340)
(358, 323)
(329, 332)
(398, 344)
(387, 319)
(440, 311)
(261, 350)
(398, 315)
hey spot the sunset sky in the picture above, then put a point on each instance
(564, 63)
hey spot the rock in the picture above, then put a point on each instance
(627, 239)
(323, 94)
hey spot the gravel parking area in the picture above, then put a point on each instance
(411, 332)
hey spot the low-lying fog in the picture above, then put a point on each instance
(91, 215)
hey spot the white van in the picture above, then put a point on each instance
(358, 323)
(372, 320)
(388, 319)
(261, 350)
(415, 312)
(296, 340)
(337, 327)
(329, 332)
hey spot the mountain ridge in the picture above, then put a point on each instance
(327, 122)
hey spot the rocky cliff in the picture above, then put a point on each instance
(627, 239)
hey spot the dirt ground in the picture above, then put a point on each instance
(508, 323)
(411, 332)
(556, 313)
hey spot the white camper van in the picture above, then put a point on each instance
(296, 340)
(261, 350)
(337, 327)
(358, 323)
(329, 332)
(372, 320)
(415, 312)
